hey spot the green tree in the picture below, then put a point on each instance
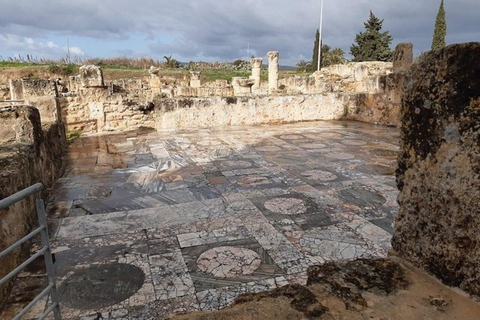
(314, 64)
(440, 29)
(372, 45)
(303, 66)
(171, 62)
(331, 57)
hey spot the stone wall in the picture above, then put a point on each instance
(98, 110)
(4, 92)
(217, 111)
(366, 91)
(30, 152)
(439, 167)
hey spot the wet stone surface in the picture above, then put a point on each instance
(99, 286)
(146, 224)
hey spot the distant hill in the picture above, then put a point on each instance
(287, 68)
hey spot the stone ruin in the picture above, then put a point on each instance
(272, 71)
(367, 91)
(91, 76)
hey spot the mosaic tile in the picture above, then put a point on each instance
(198, 217)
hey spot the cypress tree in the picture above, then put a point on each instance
(440, 29)
(372, 45)
(315, 52)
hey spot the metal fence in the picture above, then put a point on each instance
(45, 251)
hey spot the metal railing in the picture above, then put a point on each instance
(45, 251)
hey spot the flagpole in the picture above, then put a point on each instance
(320, 39)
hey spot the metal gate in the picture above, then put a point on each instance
(45, 251)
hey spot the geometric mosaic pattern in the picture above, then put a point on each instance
(191, 219)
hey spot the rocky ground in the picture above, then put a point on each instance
(361, 289)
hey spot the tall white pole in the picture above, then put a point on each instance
(320, 39)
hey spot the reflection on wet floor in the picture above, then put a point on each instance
(164, 222)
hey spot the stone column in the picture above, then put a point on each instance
(256, 72)
(272, 70)
(403, 57)
(195, 79)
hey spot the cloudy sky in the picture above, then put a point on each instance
(216, 30)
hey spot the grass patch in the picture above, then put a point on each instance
(8, 64)
(73, 135)
(63, 69)
(115, 72)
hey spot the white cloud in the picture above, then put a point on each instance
(28, 46)
(214, 29)
(76, 51)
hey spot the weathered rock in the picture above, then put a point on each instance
(195, 79)
(402, 57)
(91, 76)
(439, 168)
(354, 290)
(349, 280)
(30, 152)
(242, 86)
(301, 299)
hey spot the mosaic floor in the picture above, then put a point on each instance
(152, 223)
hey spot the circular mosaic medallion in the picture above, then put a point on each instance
(268, 148)
(313, 146)
(290, 206)
(354, 142)
(229, 262)
(100, 286)
(292, 137)
(231, 164)
(319, 175)
(340, 156)
(254, 180)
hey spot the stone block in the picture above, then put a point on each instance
(438, 224)
(91, 76)
(402, 57)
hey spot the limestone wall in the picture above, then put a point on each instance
(366, 91)
(30, 152)
(43, 94)
(438, 226)
(97, 110)
(217, 111)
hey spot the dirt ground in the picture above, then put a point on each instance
(393, 290)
